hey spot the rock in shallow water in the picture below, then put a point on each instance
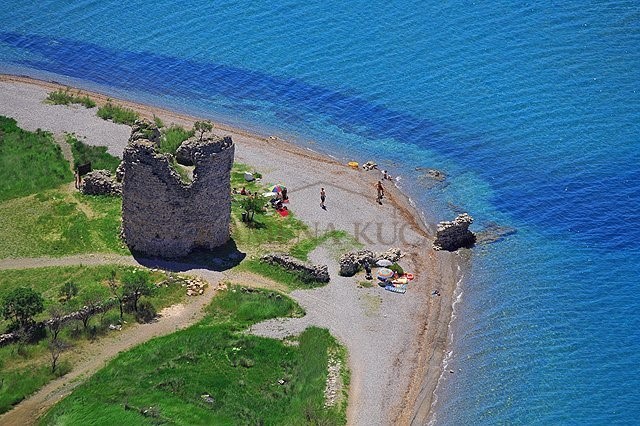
(455, 234)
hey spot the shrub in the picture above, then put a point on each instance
(173, 137)
(96, 155)
(117, 114)
(397, 269)
(64, 97)
(146, 312)
(21, 305)
(158, 121)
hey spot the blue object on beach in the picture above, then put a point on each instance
(402, 288)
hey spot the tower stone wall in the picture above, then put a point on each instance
(165, 217)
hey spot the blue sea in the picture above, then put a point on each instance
(532, 109)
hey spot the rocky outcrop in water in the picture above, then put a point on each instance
(100, 182)
(453, 235)
(307, 271)
(351, 262)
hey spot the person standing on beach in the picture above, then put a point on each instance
(77, 178)
(380, 190)
(323, 195)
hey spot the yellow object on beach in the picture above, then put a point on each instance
(353, 165)
(400, 281)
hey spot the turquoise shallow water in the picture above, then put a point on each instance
(533, 111)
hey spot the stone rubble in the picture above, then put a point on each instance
(333, 385)
(144, 129)
(453, 235)
(100, 182)
(194, 286)
(309, 272)
(351, 262)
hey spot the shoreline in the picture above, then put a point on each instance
(427, 353)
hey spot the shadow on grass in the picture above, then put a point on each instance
(219, 259)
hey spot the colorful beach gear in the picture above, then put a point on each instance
(385, 274)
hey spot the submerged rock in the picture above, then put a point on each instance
(453, 235)
(494, 232)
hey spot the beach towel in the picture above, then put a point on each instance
(283, 212)
(402, 288)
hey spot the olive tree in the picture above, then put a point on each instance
(21, 305)
(202, 127)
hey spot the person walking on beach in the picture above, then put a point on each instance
(380, 190)
(323, 195)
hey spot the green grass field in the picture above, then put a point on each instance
(164, 381)
(98, 156)
(58, 223)
(29, 161)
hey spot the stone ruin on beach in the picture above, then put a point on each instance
(164, 216)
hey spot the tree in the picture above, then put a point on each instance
(90, 300)
(117, 291)
(21, 305)
(56, 347)
(202, 127)
(54, 324)
(135, 285)
(251, 205)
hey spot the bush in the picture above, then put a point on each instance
(117, 114)
(397, 269)
(96, 155)
(64, 97)
(173, 138)
(146, 312)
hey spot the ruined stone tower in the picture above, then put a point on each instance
(163, 216)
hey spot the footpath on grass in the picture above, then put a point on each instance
(95, 355)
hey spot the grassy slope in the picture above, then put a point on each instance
(58, 223)
(168, 375)
(29, 161)
(98, 156)
(25, 368)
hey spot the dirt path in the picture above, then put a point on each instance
(94, 356)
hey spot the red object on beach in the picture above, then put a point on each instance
(409, 276)
(283, 212)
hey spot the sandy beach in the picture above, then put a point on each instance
(396, 343)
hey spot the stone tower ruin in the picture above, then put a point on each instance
(164, 216)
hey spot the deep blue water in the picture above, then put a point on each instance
(533, 111)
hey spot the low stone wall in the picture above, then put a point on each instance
(8, 338)
(307, 271)
(100, 182)
(455, 234)
(351, 262)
